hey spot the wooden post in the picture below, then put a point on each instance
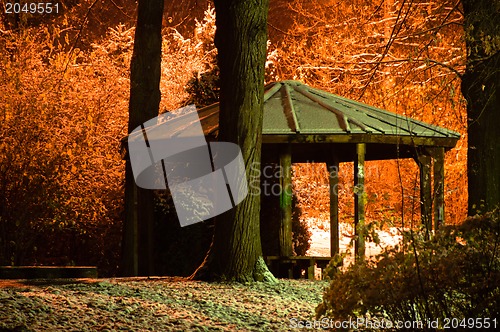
(130, 249)
(333, 176)
(359, 201)
(438, 187)
(286, 201)
(310, 269)
(145, 198)
(424, 163)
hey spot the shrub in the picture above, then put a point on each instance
(60, 167)
(456, 274)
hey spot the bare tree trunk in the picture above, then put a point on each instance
(481, 88)
(145, 71)
(236, 252)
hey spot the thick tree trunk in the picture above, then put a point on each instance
(481, 88)
(145, 71)
(241, 36)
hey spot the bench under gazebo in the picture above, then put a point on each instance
(304, 124)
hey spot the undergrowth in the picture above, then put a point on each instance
(455, 274)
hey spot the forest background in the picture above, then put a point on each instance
(64, 99)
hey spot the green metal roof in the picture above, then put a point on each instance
(293, 108)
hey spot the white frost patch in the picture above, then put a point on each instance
(320, 240)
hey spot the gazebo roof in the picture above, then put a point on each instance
(297, 113)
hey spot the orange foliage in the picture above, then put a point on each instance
(405, 58)
(61, 177)
(63, 112)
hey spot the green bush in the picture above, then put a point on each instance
(456, 274)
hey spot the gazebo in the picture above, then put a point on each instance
(304, 124)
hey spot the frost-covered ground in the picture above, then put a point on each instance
(159, 304)
(320, 240)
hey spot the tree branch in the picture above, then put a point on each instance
(378, 63)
